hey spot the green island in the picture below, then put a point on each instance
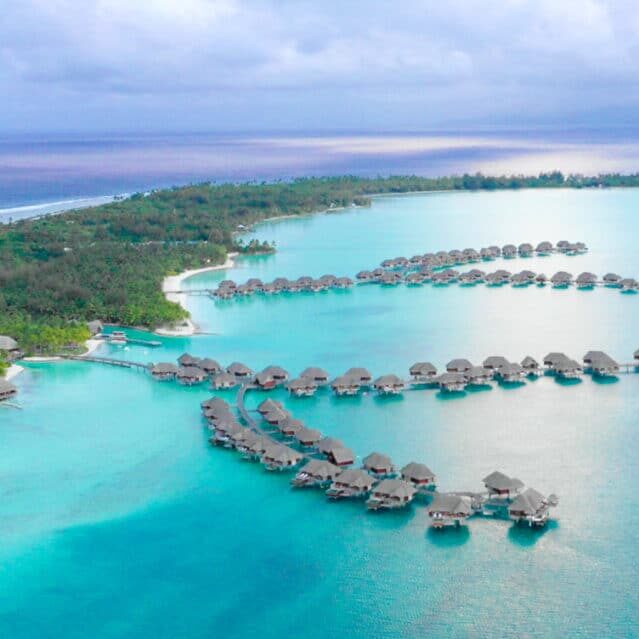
(108, 262)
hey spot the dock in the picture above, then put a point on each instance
(110, 361)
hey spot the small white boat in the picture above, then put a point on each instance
(118, 338)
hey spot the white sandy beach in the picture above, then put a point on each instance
(173, 283)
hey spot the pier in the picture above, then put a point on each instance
(110, 361)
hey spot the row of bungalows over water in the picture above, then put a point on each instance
(458, 257)
(326, 463)
(228, 289)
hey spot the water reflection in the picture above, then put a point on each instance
(527, 536)
(448, 537)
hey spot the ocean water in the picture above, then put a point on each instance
(117, 519)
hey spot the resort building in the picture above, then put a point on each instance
(308, 437)
(501, 486)
(561, 279)
(276, 416)
(316, 472)
(223, 381)
(214, 403)
(362, 375)
(531, 507)
(269, 405)
(7, 390)
(478, 376)
(280, 457)
(302, 387)
(449, 510)
(495, 362)
(509, 251)
(628, 285)
(345, 385)
(351, 483)
(378, 465)
(420, 476)
(391, 493)
(239, 370)
(318, 375)
(188, 360)
(451, 382)
(569, 369)
(389, 385)
(341, 456)
(531, 366)
(423, 372)
(210, 366)
(458, 366)
(612, 279)
(190, 375)
(512, 372)
(525, 249)
(544, 248)
(586, 280)
(600, 363)
(164, 371)
(290, 426)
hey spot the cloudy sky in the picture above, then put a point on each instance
(336, 64)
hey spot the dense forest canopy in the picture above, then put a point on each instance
(108, 262)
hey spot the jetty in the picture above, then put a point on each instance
(110, 361)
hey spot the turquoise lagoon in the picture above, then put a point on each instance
(118, 520)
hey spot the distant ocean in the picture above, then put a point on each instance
(43, 174)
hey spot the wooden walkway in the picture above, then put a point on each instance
(122, 363)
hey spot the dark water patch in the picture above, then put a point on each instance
(605, 380)
(526, 536)
(449, 536)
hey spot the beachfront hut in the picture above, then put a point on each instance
(362, 375)
(501, 486)
(95, 327)
(561, 279)
(612, 279)
(290, 426)
(530, 365)
(302, 387)
(164, 370)
(525, 249)
(223, 381)
(544, 248)
(586, 280)
(600, 363)
(317, 375)
(478, 376)
(423, 372)
(9, 347)
(210, 366)
(345, 385)
(531, 507)
(389, 385)
(316, 472)
(190, 375)
(391, 493)
(458, 366)
(419, 475)
(269, 405)
(351, 483)
(449, 510)
(495, 362)
(308, 437)
(7, 390)
(239, 370)
(378, 464)
(509, 251)
(512, 372)
(188, 360)
(451, 382)
(281, 457)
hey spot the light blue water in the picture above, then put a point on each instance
(118, 520)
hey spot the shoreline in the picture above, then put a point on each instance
(172, 283)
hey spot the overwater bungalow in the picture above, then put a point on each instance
(269, 405)
(214, 403)
(509, 251)
(426, 273)
(327, 444)
(345, 385)
(477, 275)
(341, 456)
(478, 376)
(612, 279)
(531, 507)
(343, 283)
(501, 486)
(512, 372)
(362, 375)
(276, 416)
(552, 359)
(290, 426)
(521, 279)
(498, 278)
(255, 284)
(317, 375)
(281, 457)
(495, 250)
(531, 366)
(190, 375)
(457, 256)
(563, 246)
(302, 387)
(486, 254)
(636, 355)
(544, 248)
(471, 255)
(561, 279)
(569, 369)
(389, 385)
(239, 370)
(265, 381)
(269, 288)
(378, 464)
(377, 273)
(254, 447)
(449, 510)
(577, 248)
(223, 381)
(242, 438)
(541, 279)
(188, 360)
(628, 285)
(420, 476)
(451, 382)
(243, 290)
(416, 260)
(216, 411)
(210, 366)
(391, 493)
(227, 284)
(390, 279)
(586, 280)
(279, 374)
(600, 364)
(423, 372)
(316, 472)
(7, 390)
(450, 275)
(225, 431)
(282, 283)
(164, 371)
(458, 366)
(525, 249)
(351, 483)
(329, 280)
(308, 437)
(414, 279)
(495, 362)
(467, 279)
